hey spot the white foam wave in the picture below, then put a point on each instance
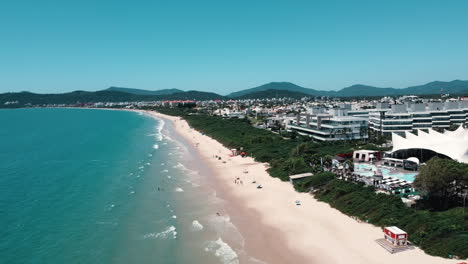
(223, 251)
(159, 128)
(196, 226)
(179, 166)
(168, 138)
(224, 227)
(156, 146)
(174, 216)
(170, 232)
(184, 168)
(178, 189)
(165, 171)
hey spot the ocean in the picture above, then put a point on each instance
(100, 186)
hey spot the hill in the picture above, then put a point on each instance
(286, 86)
(268, 94)
(143, 92)
(192, 95)
(358, 90)
(27, 98)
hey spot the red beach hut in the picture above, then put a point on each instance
(395, 236)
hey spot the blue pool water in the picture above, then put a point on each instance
(368, 170)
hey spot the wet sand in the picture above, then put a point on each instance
(276, 230)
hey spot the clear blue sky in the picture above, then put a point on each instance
(224, 46)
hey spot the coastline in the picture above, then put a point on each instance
(312, 233)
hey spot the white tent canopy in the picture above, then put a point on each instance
(453, 144)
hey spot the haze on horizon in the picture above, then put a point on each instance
(219, 46)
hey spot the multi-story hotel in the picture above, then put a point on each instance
(331, 126)
(413, 116)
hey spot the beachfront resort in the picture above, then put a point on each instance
(377, 171)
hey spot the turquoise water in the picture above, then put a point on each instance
(97, 186)
(367, 170)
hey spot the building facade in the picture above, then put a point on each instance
(327, 127)
(415, 116)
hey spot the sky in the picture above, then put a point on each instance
(224, 46)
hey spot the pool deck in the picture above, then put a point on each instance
(393, 170)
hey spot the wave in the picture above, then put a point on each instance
(170, 232)
(179, 166)
(196, 226)
(178, 189)
(184, 168)
(223, 226)
(223, 251)
(156, 146)
(159, 128)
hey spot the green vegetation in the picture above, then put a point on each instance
(442, 180)
(316, 181)
(438, 233)
(295, 155)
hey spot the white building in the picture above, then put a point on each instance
(327, 127)
(414, 116)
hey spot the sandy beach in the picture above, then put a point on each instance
(313, 232)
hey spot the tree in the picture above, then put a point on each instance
(350, 164)
(327, 161)
(363, 131)
(441, 180)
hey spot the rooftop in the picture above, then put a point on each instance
(299, 176)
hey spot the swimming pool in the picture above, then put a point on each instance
(368, 170)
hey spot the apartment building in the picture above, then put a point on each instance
(330, 126)
(413, 116)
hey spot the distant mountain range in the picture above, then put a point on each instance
(272, 93)
(25, 98)
(144, 92)
(270, 90)
(437, 87)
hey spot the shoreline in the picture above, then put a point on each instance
(314, 231)
(259, 240)
(274, 228)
